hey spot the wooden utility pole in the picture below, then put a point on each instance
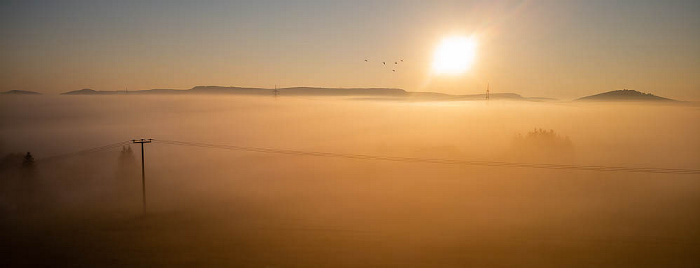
(143, 171)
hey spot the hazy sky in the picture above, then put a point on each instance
(561, 49)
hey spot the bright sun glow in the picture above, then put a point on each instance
(455, 55)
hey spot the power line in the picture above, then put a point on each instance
(437, 161)
(394, 158)
(86, 151)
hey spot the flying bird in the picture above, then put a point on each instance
(396, 62)
(384, 62)
(366, 60)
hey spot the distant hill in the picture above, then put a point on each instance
(624, 95)
(292, 91)
(449, 97)
(230, 90)
(493, 96)
(298, 91)
(360, 93)
(342, 91)
(20, 92)
(84, 91)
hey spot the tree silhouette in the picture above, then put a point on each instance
(29, 194)
(126, 166)
(127, 171)
(127, 162)
(542, 145)
(28, 166)
(28, 161)
(126, 157)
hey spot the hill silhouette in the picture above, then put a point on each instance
(20, 92)
(495, 96)
(469, 97)
(624, 95)
(363, 93)
(85, 91)
(292, 91)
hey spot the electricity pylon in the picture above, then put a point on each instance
(488, 93)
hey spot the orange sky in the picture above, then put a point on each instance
(560, 49)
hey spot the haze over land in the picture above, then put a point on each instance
(211, 206)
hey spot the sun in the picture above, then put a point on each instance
(455, 55)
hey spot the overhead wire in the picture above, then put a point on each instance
(85, 151)
(392, 158)
(437, 161)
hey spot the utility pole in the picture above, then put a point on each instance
(143, 171)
